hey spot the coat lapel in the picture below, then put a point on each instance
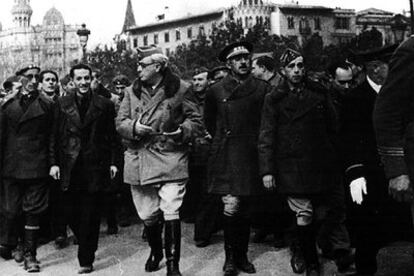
(93, 112)
(306, 104)
(152, 104)
(33, 111)
(70, 108)
(239, 90)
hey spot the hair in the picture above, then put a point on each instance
(339, 64)
(78, 67)
(43, 73)
(65, 80)
(267, 62)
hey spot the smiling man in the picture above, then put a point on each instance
(83, 151)
(232, 116)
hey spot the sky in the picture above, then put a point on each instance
(105, 17)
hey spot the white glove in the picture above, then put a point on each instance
(358, 187)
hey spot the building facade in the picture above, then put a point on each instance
(52, 45)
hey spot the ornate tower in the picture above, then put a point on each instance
(129, 20)
(22, 13)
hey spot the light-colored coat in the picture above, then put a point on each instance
(156, 158)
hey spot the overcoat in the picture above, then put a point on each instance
(95, 137)
(25, 138)
(296, 142)
(232, 116)
(156, 158)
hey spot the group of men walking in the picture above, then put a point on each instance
(255, 132)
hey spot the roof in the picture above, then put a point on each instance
(303, 7)
(53, 17)
(374, 11)
(161, 24)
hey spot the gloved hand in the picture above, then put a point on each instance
(358, 188)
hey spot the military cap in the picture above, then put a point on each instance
(216, 69)
(200, 70)
(27, 68)
(8, 83)
(383, 54)
(235, 49)
(148, 51)
(121, 80)
(288, 56)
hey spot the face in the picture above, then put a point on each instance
(120, 89)
(82, 80)
(240, 64)
(257, 71)
(200, 82)
(294, 71)
(49, 83)
(343, 79)
(95, 80)
(32, 76)
(377, 71)
(147, 69)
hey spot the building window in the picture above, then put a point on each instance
(145, 40)
(317, 23)
(291, 22)
(177, 35)
(342, 23)
(135, 42)
(255, 2)
(167, 37)
(201, 31)
(155, 39)
(190, 32)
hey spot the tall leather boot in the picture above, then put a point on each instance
(30, 245)
(229, 267)
(242, 230)
(154, 236)
(308, 244)
(172, 246)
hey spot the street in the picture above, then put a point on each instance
(125, 254)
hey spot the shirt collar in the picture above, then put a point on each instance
(376, 87)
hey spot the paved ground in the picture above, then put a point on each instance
(125, 254)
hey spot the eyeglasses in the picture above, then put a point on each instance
(144, 65)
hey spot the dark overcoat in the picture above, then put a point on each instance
(296, 142)
(95, 136)
(232, 116)
(25, 138)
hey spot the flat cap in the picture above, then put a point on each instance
(148, 51)
(235, 49)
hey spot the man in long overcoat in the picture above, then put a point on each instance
(297, 155)
(232, 116)
(83, 157)
(157, 120)
(25, 121)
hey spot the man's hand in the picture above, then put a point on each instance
(358, 189)
(174, 134)
(269, 182)
(141, 129)
(400, 188)
(114, 171)
(55, 172)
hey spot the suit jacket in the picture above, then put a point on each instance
(232, 116)
(296, 142)
(358, 143)
(25, 137)
(94, 140)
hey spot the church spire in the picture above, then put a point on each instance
(129, 20)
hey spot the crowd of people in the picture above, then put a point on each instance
(314, 160)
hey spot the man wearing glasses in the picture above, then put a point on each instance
(157, 120)
(25, 121)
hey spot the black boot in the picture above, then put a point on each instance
(154, 236)
(242, 235)
(229, 267)
(297, 261)
(173, 246)
(308, 244)
(30, 245)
